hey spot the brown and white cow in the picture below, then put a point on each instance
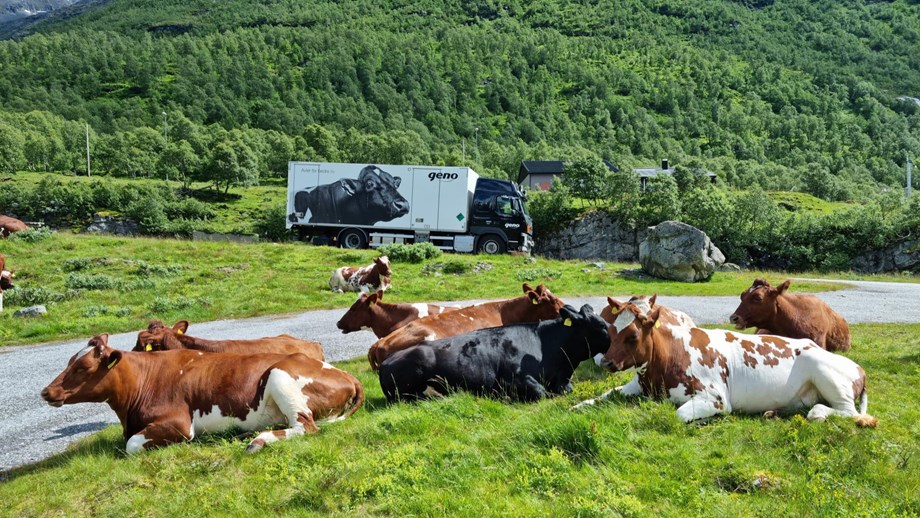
(370, 312)
(711, 372)
(772, 310)
(173, 396)
(159, 337)
(668, 317)
(10, 225)
(6, 279)
(535, 305)
(373, 277)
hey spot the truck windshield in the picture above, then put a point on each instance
(518, 206)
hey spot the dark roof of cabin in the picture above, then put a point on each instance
(550, 167)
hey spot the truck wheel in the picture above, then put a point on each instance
(353, 239)
(492, 244)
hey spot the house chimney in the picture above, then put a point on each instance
(664, 163)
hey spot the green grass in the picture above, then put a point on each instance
(468, 456)
(116, 284)
(804, 202)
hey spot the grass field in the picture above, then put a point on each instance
(468, 456)
(93, 284)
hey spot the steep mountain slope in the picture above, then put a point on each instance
(766, 92)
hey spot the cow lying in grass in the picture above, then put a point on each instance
(159, 337)
(6, 279)
(707, 373)
(373, 277)
(10, 225)
(370, 312)
(524, 362)
(172, 396)
(796, 315)
(536, 304)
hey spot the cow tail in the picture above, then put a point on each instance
(357, 400)
(863, 419)
(372, 358)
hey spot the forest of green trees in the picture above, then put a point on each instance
(809, 95)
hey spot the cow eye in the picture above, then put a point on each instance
(757, 298)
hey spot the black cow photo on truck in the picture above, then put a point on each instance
(360, 206)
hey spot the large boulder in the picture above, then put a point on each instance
(595, 236)
(904, 256)
(678, 251)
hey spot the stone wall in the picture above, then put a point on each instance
(901, 257)
(595, 236)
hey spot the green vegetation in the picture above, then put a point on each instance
(137, 279)
(467, 456)
(792, 95)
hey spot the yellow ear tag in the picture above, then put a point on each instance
(148, 348)
(567, 322)
(657, 324)
(112, 363)
(179, 332)
(535, 301)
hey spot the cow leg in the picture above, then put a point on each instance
(533, 390)
(698, 407)
(631, 389)
(159, 434)
(287, 393)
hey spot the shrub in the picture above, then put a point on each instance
(158, 269)
(77, 263)
(271, 224)
(533, 274)
(167, 304)
(81, 281)
(32, 235)
(414, 253)
(457, 267)
(29, 296)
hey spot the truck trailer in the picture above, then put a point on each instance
(367, 205)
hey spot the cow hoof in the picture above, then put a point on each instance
(770, 414)
(255, 446)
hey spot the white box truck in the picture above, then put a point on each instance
(361, 205)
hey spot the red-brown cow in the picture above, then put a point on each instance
(10, 225)
(172, 396)
(373, 277)
(536, 305)
(774, 311)
(370, 312)
(159, 337)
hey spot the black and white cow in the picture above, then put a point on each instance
(371, 198)
(525, 362)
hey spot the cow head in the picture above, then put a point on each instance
(758, 304)
(83, 381)
(383, 266)
(631, 346)
(545, 305)
(381, 199)
(588, 329)
(6, 280)
(358, 315)
(643, 302)
(159, 337)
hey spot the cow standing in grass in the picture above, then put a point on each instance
(525, 362)
(373, 277)
(707, 373)
(10, 225)
(370, 312)
(159, 337)
(173, 396)
(772, 310)
(536, 305)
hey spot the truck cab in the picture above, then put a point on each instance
(499, 218)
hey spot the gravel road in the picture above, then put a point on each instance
(30, 430)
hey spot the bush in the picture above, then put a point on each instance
(272, 225)
(32, 235)
(81, 281)
(414, 253)
(158, 269)
(550, 209)
(457, 267)
(31, 296)
(166, 304)
(77, 263)
(533, 274)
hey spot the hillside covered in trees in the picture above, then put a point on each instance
(787, 94)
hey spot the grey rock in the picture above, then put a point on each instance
(900, 257)
(678, 251)
(112, 225)
(729, 267)
(31, 312)
(595, 236)
(599, 265)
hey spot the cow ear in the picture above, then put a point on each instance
(181, 327)
(569, 315)
(114, 357)
(541, 289)
(396, 181)
(379, 295)
(586, 310)
(102, 341)
(652, 318)
(615, 304)
(783, 287)
(651, 301)
(526, 287)
(534, 297)
(372, 299)
(760, 282)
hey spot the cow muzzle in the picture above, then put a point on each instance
(400, 208)
(52, 400)
(737, 320)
